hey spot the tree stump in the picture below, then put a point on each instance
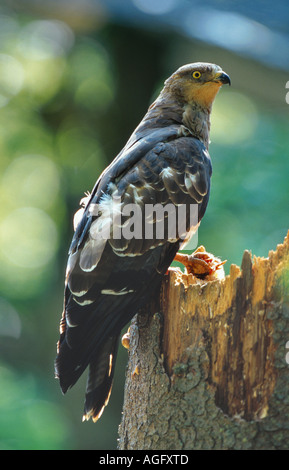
(208, 365)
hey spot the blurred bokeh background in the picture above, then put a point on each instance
(76, 76)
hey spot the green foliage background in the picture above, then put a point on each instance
(70, 95)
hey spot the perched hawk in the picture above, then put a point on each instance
(165, 161)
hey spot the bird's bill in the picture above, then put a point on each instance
(222, 77)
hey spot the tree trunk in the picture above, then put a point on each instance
(208, 365)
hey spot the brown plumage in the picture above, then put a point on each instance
(165, 161)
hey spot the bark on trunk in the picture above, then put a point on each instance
(208, 365)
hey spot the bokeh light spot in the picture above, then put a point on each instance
(234, 118)
(76, 146)
(94, 94)
(91, 76)
(11, 77)
(43, 79)
(45, 39)
(9, 320)
(154, 7)
(31, 180)
(28, 238)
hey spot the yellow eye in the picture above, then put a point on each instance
(197, 74)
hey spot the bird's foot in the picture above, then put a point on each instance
(202, 264)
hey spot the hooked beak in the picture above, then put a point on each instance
(223, 78)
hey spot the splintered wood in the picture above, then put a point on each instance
(233, 316)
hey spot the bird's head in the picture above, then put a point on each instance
(197, 83)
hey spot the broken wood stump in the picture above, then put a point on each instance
(208, 365)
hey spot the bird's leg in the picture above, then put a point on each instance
(201, 263)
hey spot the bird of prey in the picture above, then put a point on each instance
(109, 278)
